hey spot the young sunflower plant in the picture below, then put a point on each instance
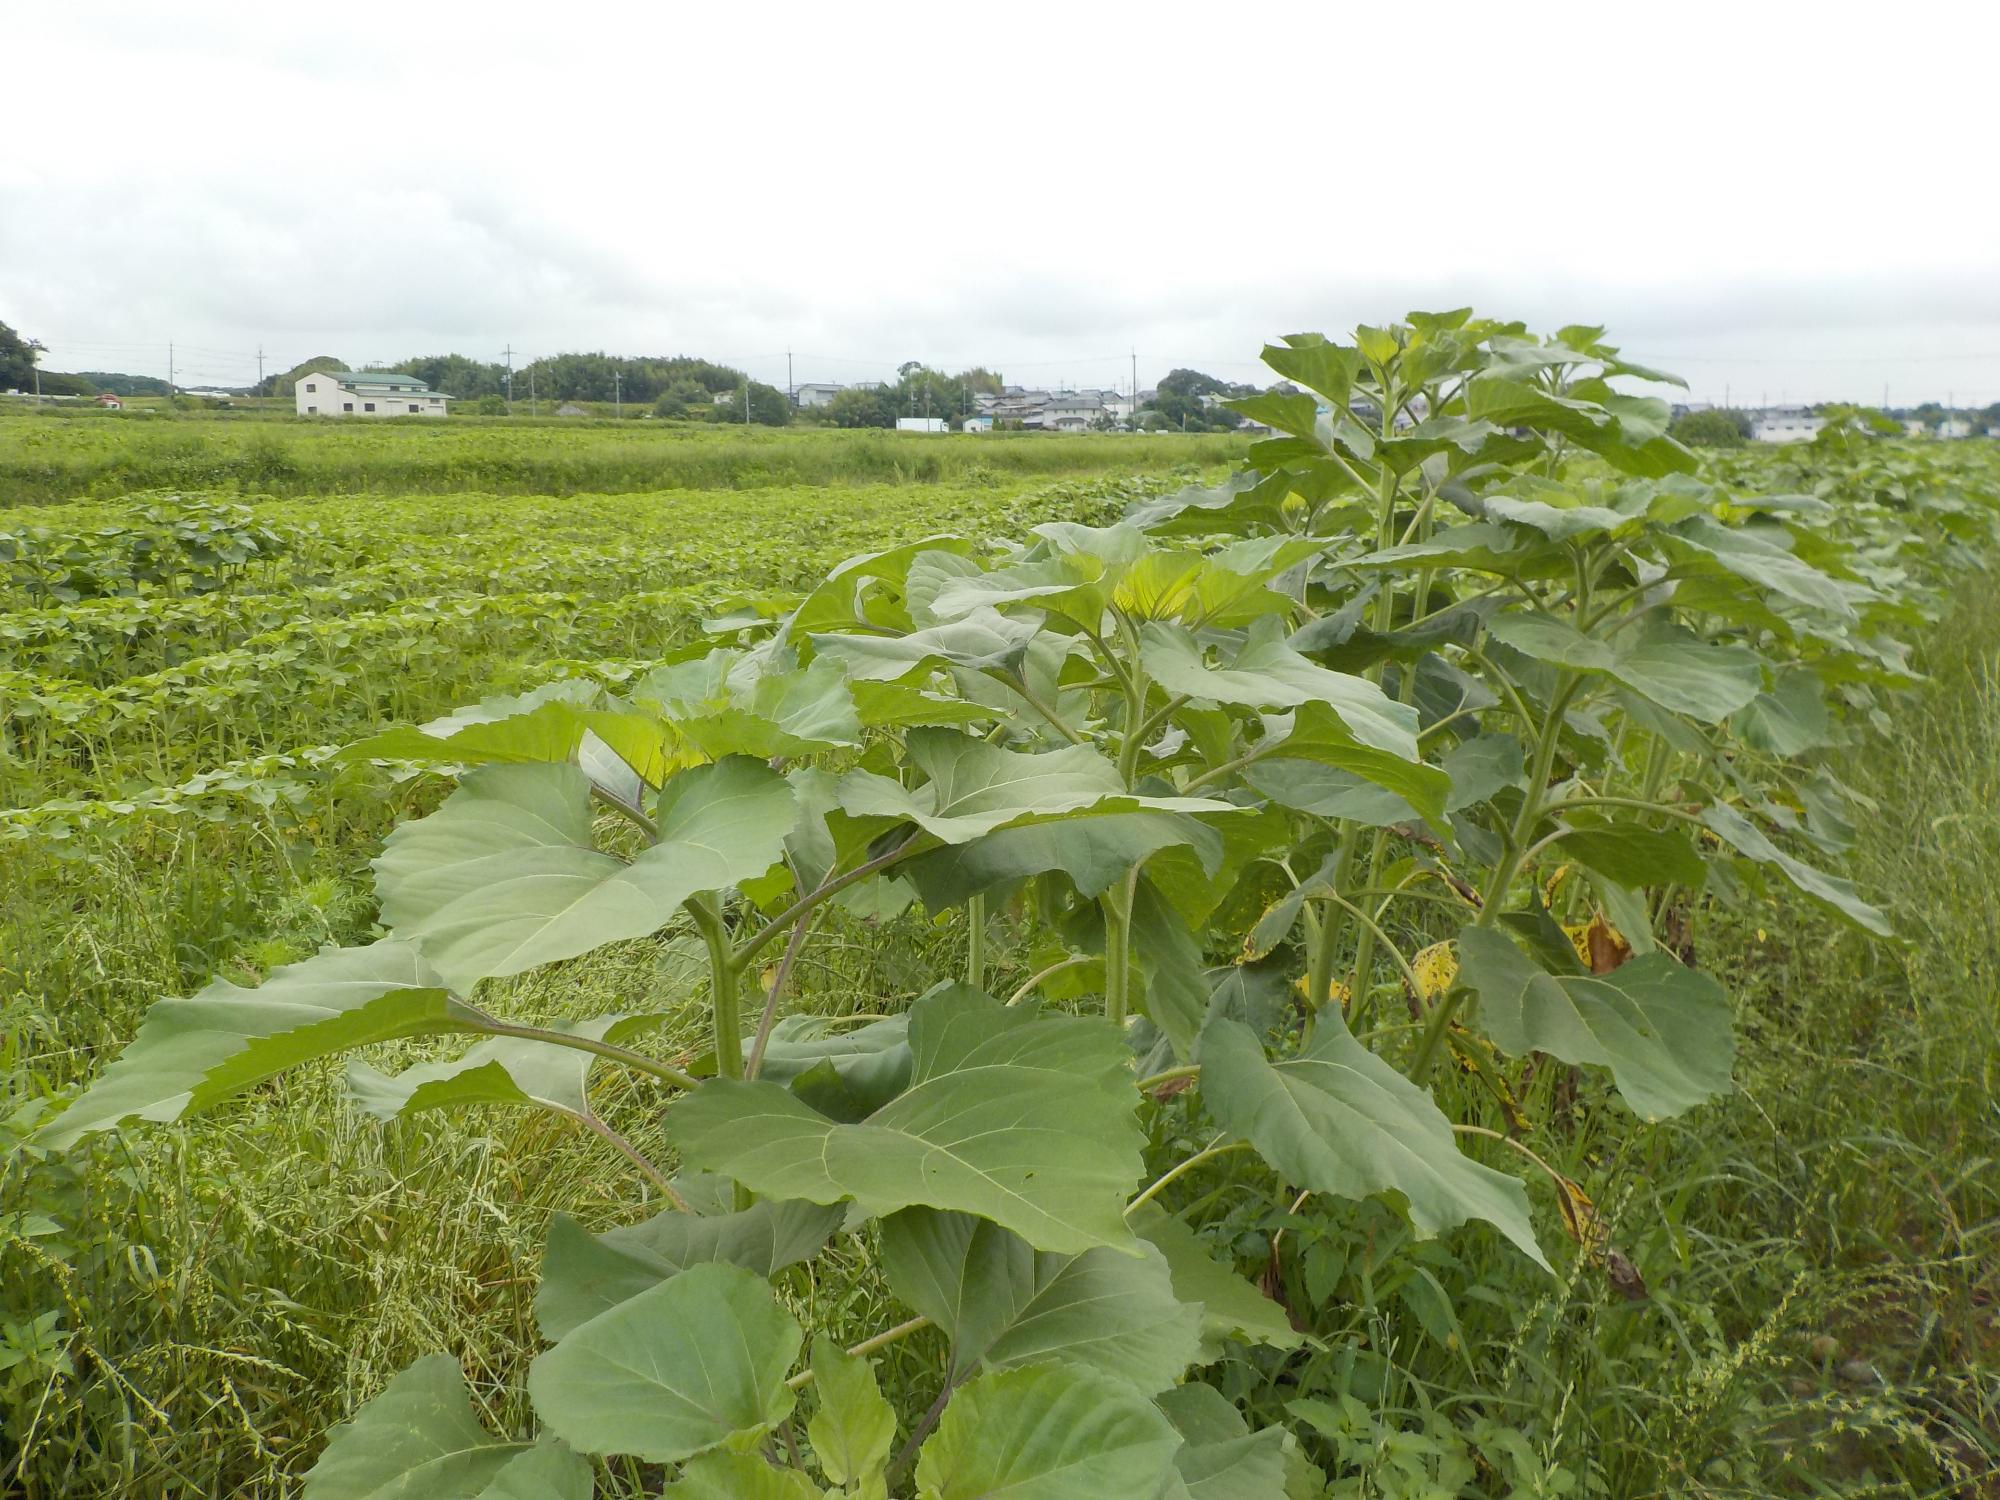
(1403, 759)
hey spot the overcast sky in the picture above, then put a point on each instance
(1771, 198)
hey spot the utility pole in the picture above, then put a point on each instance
(791, 386)
(510, 379)
(1132, 416)
(618, 392)
(534, 409)
(170, 374)
(260, 369)
(746, 400)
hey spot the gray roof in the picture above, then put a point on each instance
(379, 380)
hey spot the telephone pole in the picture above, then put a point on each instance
(170, 374)
(791, 385)
(1132, 417)
(746, 400)
(534, 408)
(260, 369)
(618, 391)
(509, 351)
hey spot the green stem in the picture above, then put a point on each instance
(1326, 944)
(1020, 685)
(866, 1347)
(1034, 981)
(975, 942)
(1503, 873)
(1117, 905)
(769, 932)
(722, 977)
(610, 1051)
(1214, 1149)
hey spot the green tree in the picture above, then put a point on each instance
(1707, 429)
(858, 408)
(769, 406)
(283, 385)
(17, 360)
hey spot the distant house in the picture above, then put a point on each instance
(571, 409)
(1954, 427)
(978, 424)
(815, 393)
(1785, 424)
(366, 393)
(110, 401)
(922, 424)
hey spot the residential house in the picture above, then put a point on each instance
(1955, 427)
(366, 393)
(1785, 424)
(977, 424)
(109, 401)
(815, 393)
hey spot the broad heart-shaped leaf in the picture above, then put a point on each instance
(584, 1274)
(1663, 1029)
(1002, 1303)
(1626, 436)
(1314, 735)
(838, 602)
(504, 876)
(1669, 664)
(543, 725)
(1025, 1119)
(1220, 1458)
(726, 704)
(1243, 503)
(1635, 856)
(739, 1476)
(1764, 557)
(1048, 1432)
(1790, 719)
(863, 1067)
(1093, 849)
(418, 1440)
(1231, 1307)
(1268, 673)
(984, 640)
(697, 1362)
(500, 1070)
(854, 1427)
(1831, 891)
(975, 788)
(191, 1054)
(548, 1471)
(1338, 1119)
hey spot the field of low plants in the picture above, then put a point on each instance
(1425, 958)
(62, 453)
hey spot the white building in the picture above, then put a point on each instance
(366, 393)
(977, 424)
(1954, 427)
(815, 393)
(922, 424)
(1785, 424)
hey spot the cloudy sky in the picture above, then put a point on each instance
(1767, 197)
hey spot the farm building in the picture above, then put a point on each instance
(1785, 424)
(922, 424)
(816, 393)
(978, 424)
(366, 393)
(109, 401)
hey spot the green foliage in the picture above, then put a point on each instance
(1711, 429)
(1424, 743)
(766, 405)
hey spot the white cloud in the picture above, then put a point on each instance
(1774, 193)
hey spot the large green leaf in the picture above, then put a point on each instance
(1025, 1119)
(1094, 850)
(975, 788)
(1002, 1303)
(1048, 1432)
(854, 1427)
(1669, 664)
(1790, 719)
(1662, 1029)
(500, 1070)
(1837, 894)
(864, 1067)
(1338, 1119)
(1230, 1306)
(697, 1362)
(543, 725)
(1316, 734)
(1267, 673)
(1764, 557)
(547, 1471)
(739, 1476)
(584, 1274)
(1220, 1458)
(191, 1054)
(842, 598)
(726, 704)
(419, 1439)
(1626, 435)
(504, 877)
(1635, 856)
(983, 640)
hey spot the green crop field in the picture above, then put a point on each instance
(631, 960)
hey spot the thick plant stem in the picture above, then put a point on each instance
(1532, 806)
(722, 977)
(1117, 905)
(1326, 946)
(975, 942)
